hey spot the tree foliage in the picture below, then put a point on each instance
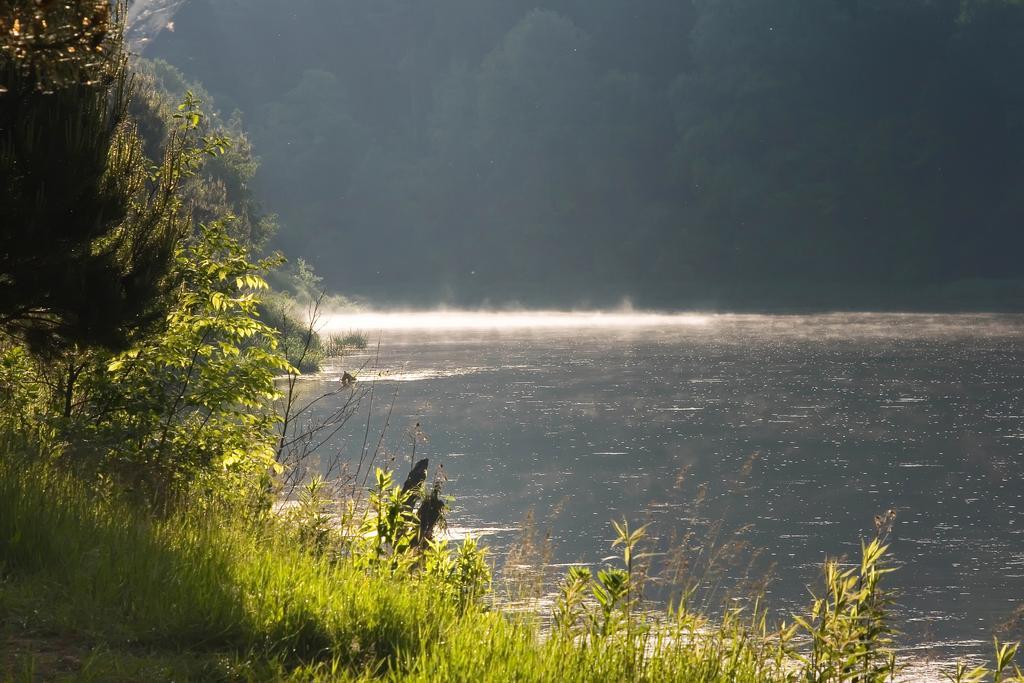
(189, 409)
(677, 151)
(89, 225)
(46, 45)
(223, 185)
(134, 349)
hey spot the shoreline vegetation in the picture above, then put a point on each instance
(94, 591)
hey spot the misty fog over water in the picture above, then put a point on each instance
(793, 431)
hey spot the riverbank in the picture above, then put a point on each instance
(93, 591)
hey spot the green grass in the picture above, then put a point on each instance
(92, 573)
(92, 591)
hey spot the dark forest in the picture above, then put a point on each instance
(727, 152)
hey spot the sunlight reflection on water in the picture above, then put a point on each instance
(588, 416)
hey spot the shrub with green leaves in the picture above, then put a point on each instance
(605, 603)
(21, 391)
(849, 630)
(385, 539)
(189, 409)
(463, 576)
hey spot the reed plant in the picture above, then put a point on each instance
(336, 345)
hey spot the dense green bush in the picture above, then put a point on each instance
(192, 404)
(187, 410)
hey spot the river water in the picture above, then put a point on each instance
(775, 438)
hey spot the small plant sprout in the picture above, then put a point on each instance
(629, 540)
(571, 596)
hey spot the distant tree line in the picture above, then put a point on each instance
(663, 149)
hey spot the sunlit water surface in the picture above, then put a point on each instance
(793, 431)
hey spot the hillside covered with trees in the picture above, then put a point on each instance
(570, 151)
